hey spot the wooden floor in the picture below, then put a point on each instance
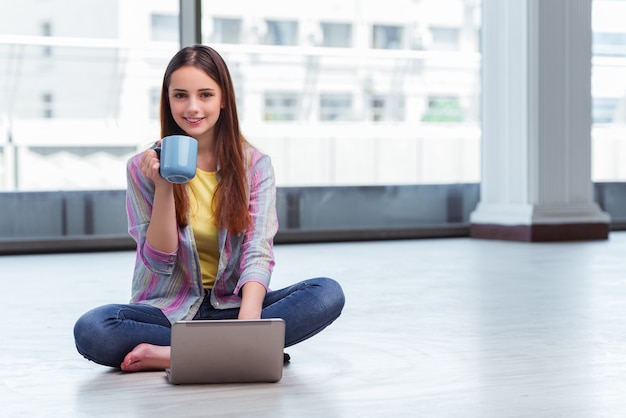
(431, 328)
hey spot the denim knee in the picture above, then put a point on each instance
(107, 333)
(332, 298)
(91, 340)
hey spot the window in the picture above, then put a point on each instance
(338, 35)
(387, 108)
(87, 75)
(443, 38)
(281, 106)
(351, 73)
(608, 89)
(387, 37)
(335, 107)
(46, 30)
(605, 109)
(609, 44)
(47, 105)
(345, 80)
(226, 31)
(154, 103)
(281, 32)
(443, 109)
(165, 28)
(378, 108)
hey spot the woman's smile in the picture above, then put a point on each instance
(193, 121)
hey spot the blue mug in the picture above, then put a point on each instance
(179, 157)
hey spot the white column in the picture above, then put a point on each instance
(536, 118)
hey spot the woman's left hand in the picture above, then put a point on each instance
(252, 295)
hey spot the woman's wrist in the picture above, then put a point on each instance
(252, 296)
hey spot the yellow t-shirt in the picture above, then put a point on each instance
(201, 190)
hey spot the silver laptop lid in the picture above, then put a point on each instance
(226, 351)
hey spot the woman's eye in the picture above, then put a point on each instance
(179, 95)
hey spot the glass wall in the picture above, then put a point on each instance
(339, 92)
(80, 90)
(356, 92)
(609, 90)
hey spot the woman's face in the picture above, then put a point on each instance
(195, 101)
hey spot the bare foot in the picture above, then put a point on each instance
(147, 357)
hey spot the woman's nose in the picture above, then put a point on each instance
(192, 105)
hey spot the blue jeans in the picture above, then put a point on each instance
(107, 333)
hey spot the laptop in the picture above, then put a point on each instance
(226, 351)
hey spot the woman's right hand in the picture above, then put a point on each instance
(162, 233)
(150, 165)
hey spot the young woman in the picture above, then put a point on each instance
(204, 249)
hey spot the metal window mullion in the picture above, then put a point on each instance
(190, 17)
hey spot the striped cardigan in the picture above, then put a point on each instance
(172, 282)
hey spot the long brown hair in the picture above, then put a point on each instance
(230, 199)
